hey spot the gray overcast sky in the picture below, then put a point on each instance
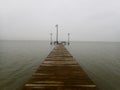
(86, 20)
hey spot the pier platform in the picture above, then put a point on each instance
(60, 71)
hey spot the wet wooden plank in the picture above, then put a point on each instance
(60, 71)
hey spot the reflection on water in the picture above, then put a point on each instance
(101, 61)
(19, 59)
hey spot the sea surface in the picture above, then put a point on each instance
(20, 59)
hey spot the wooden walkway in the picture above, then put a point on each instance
(60, 71)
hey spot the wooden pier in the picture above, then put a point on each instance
(60, 71)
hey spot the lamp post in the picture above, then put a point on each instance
(51, 38)
(56, 33)
(68, 38)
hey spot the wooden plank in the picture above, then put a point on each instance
(60, 71)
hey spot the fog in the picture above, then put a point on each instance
(85, 20)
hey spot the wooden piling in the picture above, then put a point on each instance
(60, 71)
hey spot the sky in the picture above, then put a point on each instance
(85, 20)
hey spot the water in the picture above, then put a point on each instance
(101, 61)
(20, 59)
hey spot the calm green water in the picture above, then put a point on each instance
(101, 61)
(20, 59)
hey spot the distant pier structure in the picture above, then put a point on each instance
(60, 71)
(57, 38)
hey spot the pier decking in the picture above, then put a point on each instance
(60, 71)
